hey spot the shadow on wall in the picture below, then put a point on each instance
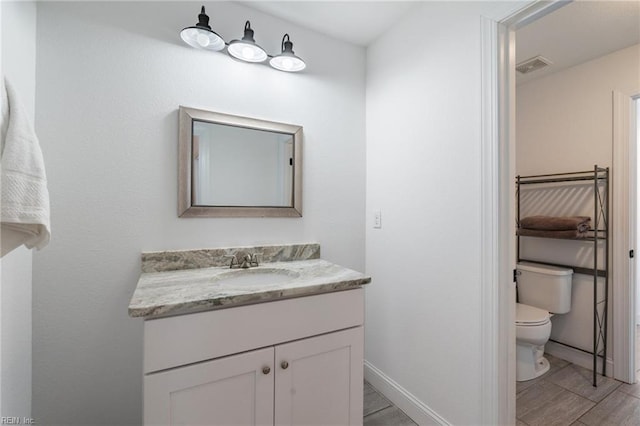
(575, 200)
(158, 26)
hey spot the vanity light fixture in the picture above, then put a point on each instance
(287, 60)
(201, 36)
(246, 49)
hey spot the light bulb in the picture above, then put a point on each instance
(247, 49)
(248, 53)
(287, 64)
(287, 60)
(200, 35)
(203, 40)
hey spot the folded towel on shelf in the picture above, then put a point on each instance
(556, 223)
(564, 234)
(24, 209)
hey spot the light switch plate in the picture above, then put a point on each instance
(377, 219)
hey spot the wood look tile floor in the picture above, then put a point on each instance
(378, 411)
(565, 396)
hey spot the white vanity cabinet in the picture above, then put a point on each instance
(288, 362)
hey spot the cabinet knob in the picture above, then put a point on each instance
(266, 370)
(284, 365)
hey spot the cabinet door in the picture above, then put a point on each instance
(319, 380)
(235, 390)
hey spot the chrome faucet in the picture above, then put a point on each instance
(243, 259)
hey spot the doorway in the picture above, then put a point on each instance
(566, 127)
(500, 147)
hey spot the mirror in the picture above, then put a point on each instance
(232, 166)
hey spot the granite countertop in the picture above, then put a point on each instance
(173, 292)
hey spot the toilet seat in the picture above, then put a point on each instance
(530, 316)
(533, 329)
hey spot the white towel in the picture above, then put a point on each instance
(25, 198)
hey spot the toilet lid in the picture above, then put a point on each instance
(529, 315)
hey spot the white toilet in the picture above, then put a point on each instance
(542, 291)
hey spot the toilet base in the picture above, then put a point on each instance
(530, 362)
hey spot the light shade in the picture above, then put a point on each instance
(287, 60)
(201, 36)
(246, 49)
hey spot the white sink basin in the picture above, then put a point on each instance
(255, 277)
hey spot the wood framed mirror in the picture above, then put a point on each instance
(233, 166)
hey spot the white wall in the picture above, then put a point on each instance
(19, 66)
(423, 173)
(564, 122)
(109, 86)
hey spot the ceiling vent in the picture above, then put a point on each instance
(532, 64)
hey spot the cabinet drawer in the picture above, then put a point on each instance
(174, 341)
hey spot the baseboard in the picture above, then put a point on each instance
(577, 357)
(401, 398)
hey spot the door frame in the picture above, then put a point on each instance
(498, 203)
(624, 176)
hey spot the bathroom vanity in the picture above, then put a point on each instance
(280, 343)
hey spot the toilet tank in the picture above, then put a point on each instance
(545, 287)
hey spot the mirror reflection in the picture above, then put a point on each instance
(234, 166)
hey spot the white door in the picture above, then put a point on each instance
(319, 380)
(235, 390)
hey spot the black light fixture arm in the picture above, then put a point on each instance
(285, 41)
(203, 20)
(248, 32)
